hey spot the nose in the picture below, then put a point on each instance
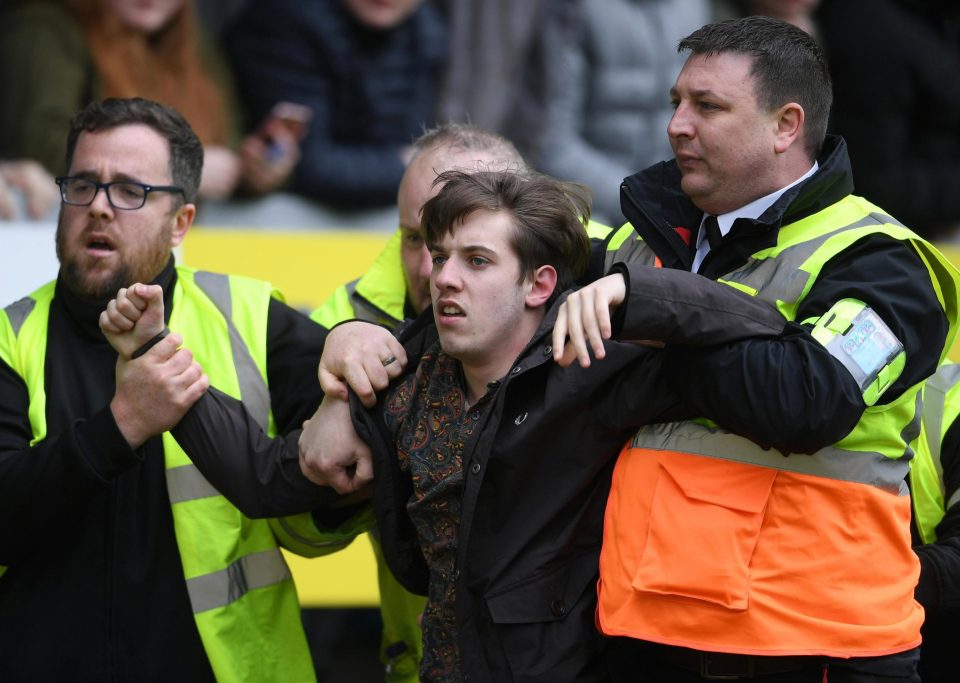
(100, 206)
(446, 276)
(679, 125)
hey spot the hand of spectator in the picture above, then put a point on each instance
(362, 355)
(268, 164)
(39, 190)
(154, 391)
(331, 453)
(133, 318)
(585, 318)
(222, 168)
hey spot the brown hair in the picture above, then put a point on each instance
(549, 217)
(165, 66)
(186, 152)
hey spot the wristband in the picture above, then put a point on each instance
(151, 343)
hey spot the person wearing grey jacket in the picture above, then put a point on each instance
(607, 65)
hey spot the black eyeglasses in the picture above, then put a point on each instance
(126, 195)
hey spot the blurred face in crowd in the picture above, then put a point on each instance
(101, 248)
(381, 14)
(416, 187)
(145, 16)
(724, 142)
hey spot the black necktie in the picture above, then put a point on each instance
(712, 230)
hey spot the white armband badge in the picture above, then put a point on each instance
(855, 335)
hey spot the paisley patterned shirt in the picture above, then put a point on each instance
(431, 423)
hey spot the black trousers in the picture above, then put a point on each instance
(630, 660)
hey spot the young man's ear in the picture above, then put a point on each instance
(541, 284)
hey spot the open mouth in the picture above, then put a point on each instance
(100, 245)
(448, 310)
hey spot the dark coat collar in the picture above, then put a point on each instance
(655, 205)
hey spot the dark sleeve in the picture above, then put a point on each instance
(260, 475)
(677, 307)
(294, 346)
(392, 489)
(41, 485)
(788, 392)
(257, 473)
(939, 587)
(673, 307)
(279, 56)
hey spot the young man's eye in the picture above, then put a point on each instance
(478, 261)
(438, 260)
(412, 239)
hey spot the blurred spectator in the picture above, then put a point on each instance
(368, 70)
(57, 56)
(800, 13)
(897, 103)
(494, 44)
(26, 183)
(608, 67)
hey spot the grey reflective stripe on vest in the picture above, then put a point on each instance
(761, 274)
(912, 430)
(253, 390)
(864, 467)
(364, 310)
(186, 483)
(18, 311)
(935, 391)
(221, 588)
(633, 250)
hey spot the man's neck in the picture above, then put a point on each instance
(477, 377)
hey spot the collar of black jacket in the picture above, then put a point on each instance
(654, 204)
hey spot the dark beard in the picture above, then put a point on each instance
(72, 277)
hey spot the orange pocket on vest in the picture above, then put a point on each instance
(705, 518)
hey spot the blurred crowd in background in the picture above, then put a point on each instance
(317, 102)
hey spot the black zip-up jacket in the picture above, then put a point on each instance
(537, 475)
(95, 590)
(789, 392)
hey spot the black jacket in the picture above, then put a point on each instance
(371, 91)
(95, 590)
(789, 392)
(536, 481)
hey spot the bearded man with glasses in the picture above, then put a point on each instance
(137, 567)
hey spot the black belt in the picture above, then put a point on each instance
(726, 666)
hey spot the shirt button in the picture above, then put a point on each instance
(475, 414)
(520, 419)
(456, 574)
(475, 468)
(516, 370)
(547, 350)
(558, 607)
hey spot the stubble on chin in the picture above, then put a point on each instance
(90, 288)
